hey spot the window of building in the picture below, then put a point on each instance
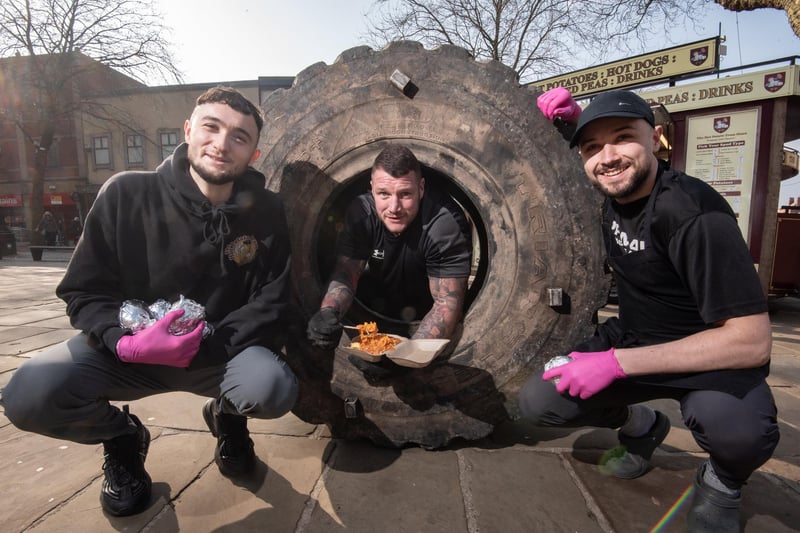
(52, 154)
(134, 150)
(169, 141)
(101, 147)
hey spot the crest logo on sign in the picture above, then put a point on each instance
(698, 56)
(721, 124)
(774, 82)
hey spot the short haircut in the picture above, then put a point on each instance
(397, 161)
(235, 100)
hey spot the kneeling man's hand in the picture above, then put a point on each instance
(587, 374)
(155, 345)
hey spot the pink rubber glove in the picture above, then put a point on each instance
(587, 374)
(155, 345)
(558, 102)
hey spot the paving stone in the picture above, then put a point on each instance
(14, 333)
(9, 363)
(173, 462)
(176, 410)
(767, 505)
(273, 500)
(34, 344)
(30, 316)
(638, 504)
(59, 322)
(784, 369)
(789, 423)
(499, 481)
(378, 489)
(39, 474)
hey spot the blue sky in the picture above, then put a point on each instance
(245, 39)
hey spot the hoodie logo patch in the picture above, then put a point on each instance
(242, 250)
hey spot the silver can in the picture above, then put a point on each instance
(556, 361)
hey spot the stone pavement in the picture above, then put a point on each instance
(520, 479)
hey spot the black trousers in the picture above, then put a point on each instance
(739, 434)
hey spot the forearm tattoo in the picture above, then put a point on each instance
(448, 305)
(343, 283)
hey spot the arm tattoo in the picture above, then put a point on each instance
(343, 283)
(448, 307)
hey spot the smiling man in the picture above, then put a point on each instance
(201, 226)
(693, 323)
(404, 252)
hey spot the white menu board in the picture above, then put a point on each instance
(721, 150)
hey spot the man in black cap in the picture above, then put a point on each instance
(692, 326)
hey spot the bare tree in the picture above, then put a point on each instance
(534, 37)
(64, 50)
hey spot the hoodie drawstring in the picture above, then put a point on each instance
(216, 229)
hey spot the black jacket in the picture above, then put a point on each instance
(154, 235)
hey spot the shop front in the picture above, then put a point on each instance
(62, 205)
(65, 210)
(12, 210)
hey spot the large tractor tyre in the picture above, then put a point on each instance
(538, 273)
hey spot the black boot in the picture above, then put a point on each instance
(234, 454)
(126, 487)
(712, 510)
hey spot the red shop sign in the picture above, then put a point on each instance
(58, 198)
(10, 200)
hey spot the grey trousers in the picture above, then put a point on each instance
(739, 434)
(65, 391)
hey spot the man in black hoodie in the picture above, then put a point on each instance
(203, 227)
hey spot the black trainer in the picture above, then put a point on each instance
(234, 454)
(127, 485)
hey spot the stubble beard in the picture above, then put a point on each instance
(637, 181)
(220, 179)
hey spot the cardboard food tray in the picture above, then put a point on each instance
(366, 356)
(417, 353)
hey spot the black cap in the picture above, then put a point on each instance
(613, 104)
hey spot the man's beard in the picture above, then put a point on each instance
(222, 179)
(637, 180)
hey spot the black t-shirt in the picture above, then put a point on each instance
(437, 244)
(627, 227)
(681, 265)
(692, 266)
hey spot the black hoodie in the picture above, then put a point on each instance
(154, 235)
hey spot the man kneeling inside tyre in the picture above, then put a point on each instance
(404, 252)
(693, 323)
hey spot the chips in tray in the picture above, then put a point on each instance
(372, 342)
